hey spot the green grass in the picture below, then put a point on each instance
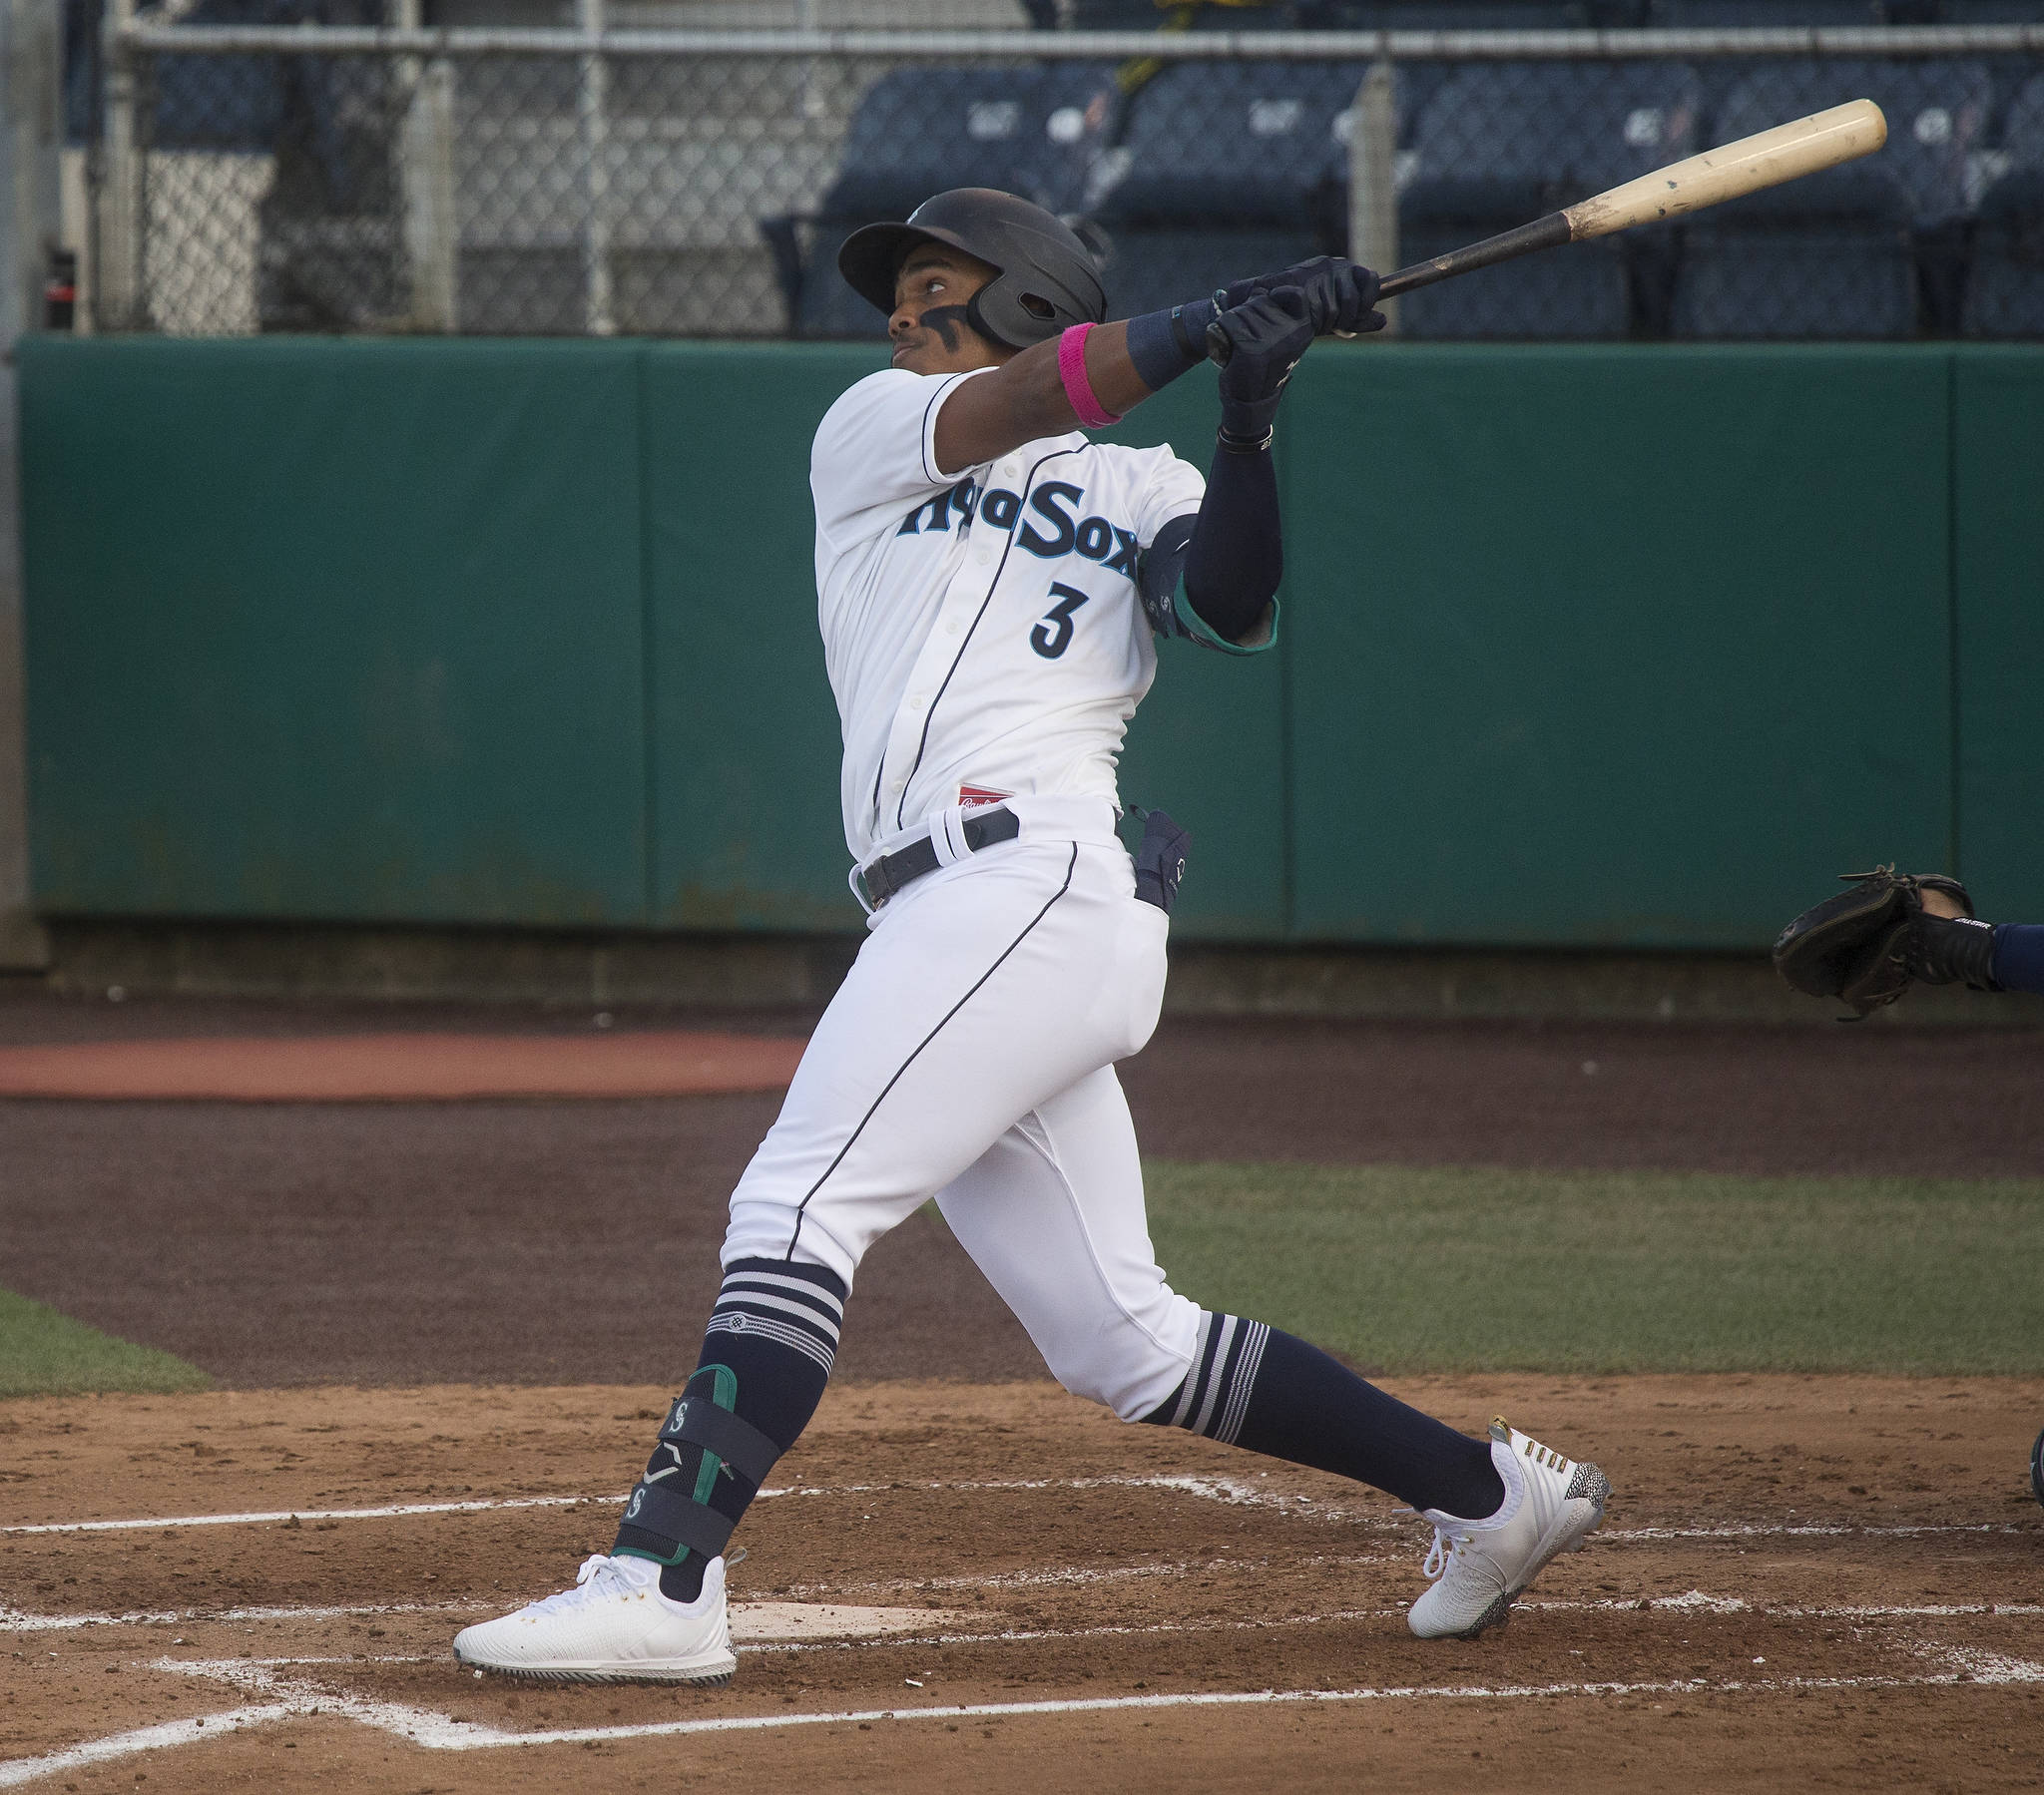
(43, 1353)
(1454, 1268)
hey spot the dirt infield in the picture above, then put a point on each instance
(574, 1243)
(408, 1066)
(1801, 1582)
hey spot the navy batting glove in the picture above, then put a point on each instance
(1265, 337)
(1340, 294)
(1241, 292)
(1341, 298)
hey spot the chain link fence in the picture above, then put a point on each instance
(250, 179)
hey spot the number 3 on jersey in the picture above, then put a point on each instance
(1053, 636)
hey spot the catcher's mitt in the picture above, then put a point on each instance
(1855, 946)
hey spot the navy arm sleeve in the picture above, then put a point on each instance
(1228, 559)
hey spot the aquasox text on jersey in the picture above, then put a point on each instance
(981, 628)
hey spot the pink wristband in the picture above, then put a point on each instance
(1079, 389)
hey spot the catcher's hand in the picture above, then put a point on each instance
(1857, 946)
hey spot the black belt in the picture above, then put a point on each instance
(883, 877)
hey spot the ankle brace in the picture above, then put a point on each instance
(767, 1355)
(669, 1514)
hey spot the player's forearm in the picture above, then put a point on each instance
(1041, 399)
(1028, 397)
(1033, 395)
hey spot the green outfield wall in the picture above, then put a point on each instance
(1619, 645)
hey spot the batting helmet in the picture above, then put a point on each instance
(1047, 279)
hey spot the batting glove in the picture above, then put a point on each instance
(1342, 294)
(1265, 337)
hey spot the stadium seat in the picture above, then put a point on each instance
(1421, 80)
(2005, 294)
(1184, 15)
(1447, 15)
(1037, 132)
(1245, 143)
(328, 254)
(1226, 170)
(1148, 269)
(1835, 255)
(1994, 12)
(1722, 73)
(247, 103)
(1762, 15)
(822, 305)
(1500, 144)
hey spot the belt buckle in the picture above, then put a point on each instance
(878, 886)
(856, 879)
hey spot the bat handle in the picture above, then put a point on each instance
(1543, 234)
(1220, 347)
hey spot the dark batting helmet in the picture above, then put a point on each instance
(1047, 279)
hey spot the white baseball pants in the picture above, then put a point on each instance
(969, 1057)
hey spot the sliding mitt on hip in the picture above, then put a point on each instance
(1867, 946)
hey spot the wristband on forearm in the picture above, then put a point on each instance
(1165, 345)
(1085, 402)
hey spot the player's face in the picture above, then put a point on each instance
(928, 326)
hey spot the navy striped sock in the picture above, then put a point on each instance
(1267, 1391)
(1215, 1398)
(776, 1302)
(775, 1332)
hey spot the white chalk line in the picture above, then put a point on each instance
(923, 1641)
(261, 1518)
(1214, 1489)
(18, 1620)
(1079, 1576)
(1234, 1492)
(144, 1738)
(1696, 1602)
(754, 1623)
(292, 1698)
(1692, 1601)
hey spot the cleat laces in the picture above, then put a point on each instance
(598, 1579)
(1440, 1554)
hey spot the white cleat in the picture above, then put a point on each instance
(1552, 1505)
(614, 1626)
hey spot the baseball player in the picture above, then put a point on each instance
(1867, 946)
(990, 583)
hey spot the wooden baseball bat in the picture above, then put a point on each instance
(1767, 158)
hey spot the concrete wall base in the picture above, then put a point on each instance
(337, 961)
(24, 942)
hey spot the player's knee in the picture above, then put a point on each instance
(1127, 1370)
(1110, 1385)
(762, 1228)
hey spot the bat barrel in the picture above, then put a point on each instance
(1767, 158)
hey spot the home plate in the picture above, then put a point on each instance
(753, 1622)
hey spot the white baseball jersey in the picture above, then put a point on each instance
(982, 630)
